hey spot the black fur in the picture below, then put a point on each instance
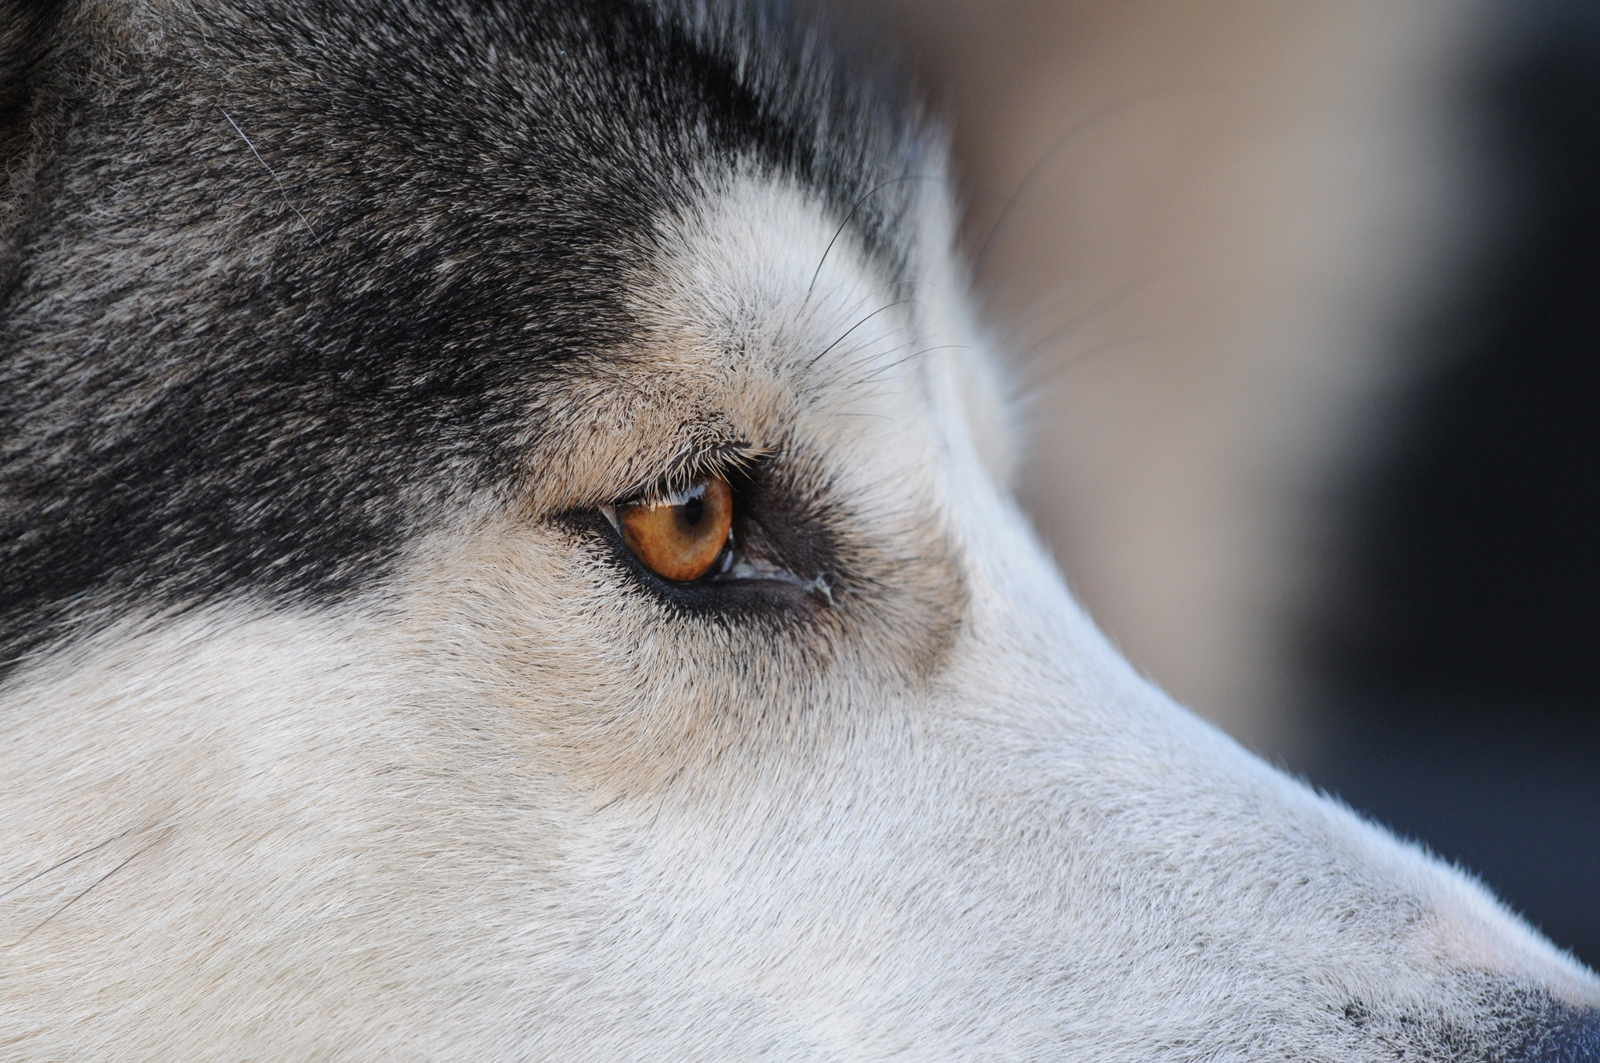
(290, 281)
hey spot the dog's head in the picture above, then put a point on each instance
(507, 556)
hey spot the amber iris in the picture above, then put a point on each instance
(680, 539)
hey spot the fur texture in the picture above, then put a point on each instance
(339, 724)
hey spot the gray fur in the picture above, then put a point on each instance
(324, 255)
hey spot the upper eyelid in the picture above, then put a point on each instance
(660, 495)
(725, 460)
(609, 510)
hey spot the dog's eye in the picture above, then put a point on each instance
(681, 538)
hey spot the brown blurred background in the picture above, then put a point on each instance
(1303, 298)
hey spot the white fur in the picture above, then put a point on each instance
(508, 806)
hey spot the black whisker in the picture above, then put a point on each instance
(62, 864)
(823, 353)
(910, 357)
(76, 899)
(874, 190)
(1078, 128)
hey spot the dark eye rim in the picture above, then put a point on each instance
(706, 596)
(714, 593)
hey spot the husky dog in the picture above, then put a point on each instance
(507, 555)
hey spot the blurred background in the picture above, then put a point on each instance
(1303, 298)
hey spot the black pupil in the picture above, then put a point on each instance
(692, 510)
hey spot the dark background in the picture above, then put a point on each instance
(1460, 684)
